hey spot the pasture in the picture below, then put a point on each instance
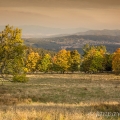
(62, 97)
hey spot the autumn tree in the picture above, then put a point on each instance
(32, 61)
(116, 61)
(42, 52)
(87, 48)
(45, 63)
(108, 62)
(93, 59)
(74, 61)
(12, 52)
(62, 61)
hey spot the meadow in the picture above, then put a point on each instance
(75, 96)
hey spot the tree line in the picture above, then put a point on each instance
(17, 59)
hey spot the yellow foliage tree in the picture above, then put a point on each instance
(62, 61)
(116, 61)
(12, 52)
(32, 60)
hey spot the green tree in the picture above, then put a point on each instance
(12, 51)
(74, 61)
(45, 63)
(87, 48)
(108, 62)
(93, 60)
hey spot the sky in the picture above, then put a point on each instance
(90, 14)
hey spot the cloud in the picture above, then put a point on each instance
(61, 3)
(62, 13)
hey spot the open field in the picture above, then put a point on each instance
(62, 97)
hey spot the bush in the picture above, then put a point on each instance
(20, 78)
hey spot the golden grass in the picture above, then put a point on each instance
(61, 97)
(52, 111)
(35, 115)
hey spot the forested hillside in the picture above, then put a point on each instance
(74, 42)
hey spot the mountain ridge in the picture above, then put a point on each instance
(41, 31)
(115, 32)
(75, 42)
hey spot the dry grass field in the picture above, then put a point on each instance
(62, 97)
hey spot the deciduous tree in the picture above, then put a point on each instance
(45, 63)
(108, 62)
(74, 61)
(93, 60)
(12, 52)
(116, 61)
(62, 61)
(32, 61)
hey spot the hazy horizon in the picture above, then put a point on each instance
(94, 14)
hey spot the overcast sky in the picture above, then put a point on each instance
(92, 14)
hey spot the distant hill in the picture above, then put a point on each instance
(75, 42)
(29, 31)
(100, 32)
(35, 31)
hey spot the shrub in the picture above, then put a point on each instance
(20, 78)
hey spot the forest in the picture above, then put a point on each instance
(75, 41)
